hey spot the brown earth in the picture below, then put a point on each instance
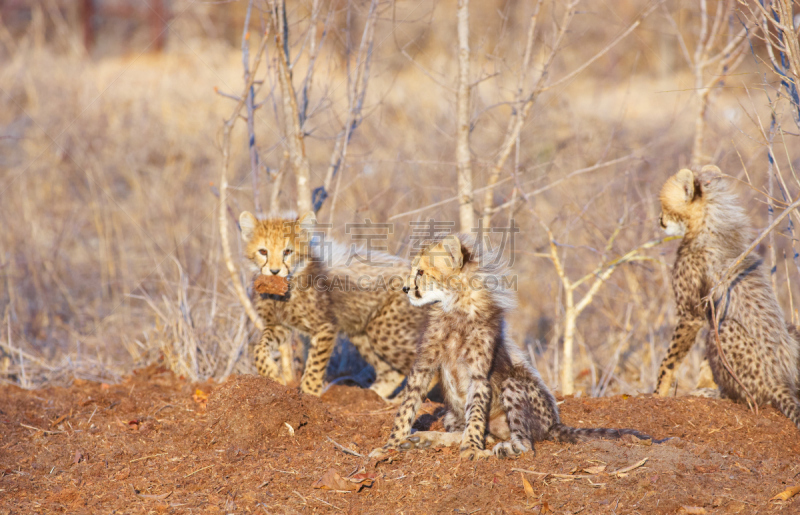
(156, 444)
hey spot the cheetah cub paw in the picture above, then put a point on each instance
(509, 449)
(380, 453)
(473, 453)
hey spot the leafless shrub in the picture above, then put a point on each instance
(112, 254)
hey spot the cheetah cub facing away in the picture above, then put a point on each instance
(486, 378)
(329, 293)
(759, 346)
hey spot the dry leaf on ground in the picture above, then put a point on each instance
(201, 398)
(692, 510)
(527, 486)
(787, 494)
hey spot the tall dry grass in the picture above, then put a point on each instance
(110, 161)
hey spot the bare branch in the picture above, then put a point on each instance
(223, 191)
(521, 80)
(463, 156)
(448, 200)
(295, 140)
(312, 56)
(355, 98)
(606, 49)
(251, 133)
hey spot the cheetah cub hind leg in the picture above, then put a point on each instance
(426, 439)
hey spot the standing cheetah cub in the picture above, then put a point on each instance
(330, 291)
(759, 347)
(487, 380)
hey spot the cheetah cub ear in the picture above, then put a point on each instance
(711, 170)
(307, 221)
(453, 247)
(247, 222)
(685, 178)
(709, 173)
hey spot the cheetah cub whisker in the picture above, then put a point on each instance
(761, 348)
(490, 386)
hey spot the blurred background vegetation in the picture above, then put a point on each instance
(111, 137)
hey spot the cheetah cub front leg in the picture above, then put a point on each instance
(476, 410)
(418, 380)
(465, 425)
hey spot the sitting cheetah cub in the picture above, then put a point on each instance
(760, 347)
(484, 375)
(329, 291)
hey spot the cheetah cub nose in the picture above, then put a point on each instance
(275, 272)
(405, 289)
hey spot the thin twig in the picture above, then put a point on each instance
(630, 467)
(325, 502)
(198, 470)
(617, 473)
(146, 457)
(45, 431)
(344, 449)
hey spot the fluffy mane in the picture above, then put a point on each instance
(725, 217)
(485, 272)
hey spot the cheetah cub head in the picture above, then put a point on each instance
(277, 246)
(683, 199)
(435, 274)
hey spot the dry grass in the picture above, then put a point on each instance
(110, 248)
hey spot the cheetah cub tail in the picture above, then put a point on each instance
(563, 433)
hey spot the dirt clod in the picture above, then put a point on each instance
(271, 284)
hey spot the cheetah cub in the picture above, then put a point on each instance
(489, 384)
(759, 346)
(330, 291)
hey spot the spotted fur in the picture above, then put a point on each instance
(760, 347)
(489, 384)
(331, 290)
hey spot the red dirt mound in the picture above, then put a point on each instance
(250, 411)
(152, 445)
(353, 398)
